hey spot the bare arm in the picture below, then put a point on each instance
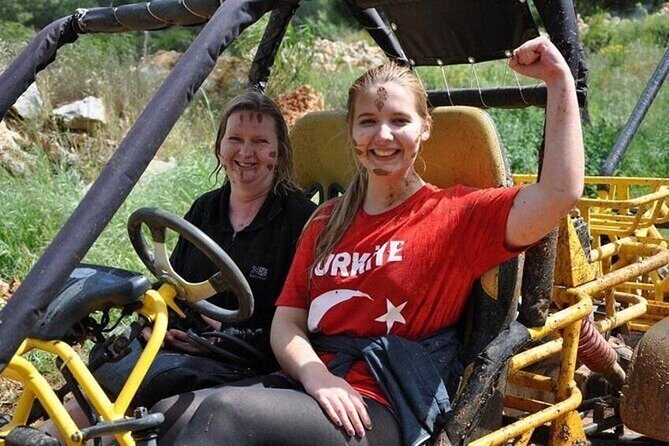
(538, 207)
(292, 348)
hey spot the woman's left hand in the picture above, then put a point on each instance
(540, 59)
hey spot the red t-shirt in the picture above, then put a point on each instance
(407, 271)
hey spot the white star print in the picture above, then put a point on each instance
(392, 315)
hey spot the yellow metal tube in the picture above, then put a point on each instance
(524, 404)
(637, 309)
(532, 421)
(562, 318)
(155, 302)
(38, 386)
(606, 251)
(532, 380)
(656, 258)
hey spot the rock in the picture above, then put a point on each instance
(165, 59)
(298, 103)
(159, 65)
(82, 115)
(12, 158)
(29, 105)
(229, 74)
(332, 56)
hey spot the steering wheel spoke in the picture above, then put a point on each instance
(200, 291)
(161, 259)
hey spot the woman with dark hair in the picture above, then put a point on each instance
(256, 217)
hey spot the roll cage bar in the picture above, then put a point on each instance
(491, 29)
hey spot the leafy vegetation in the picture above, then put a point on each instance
(622, 55)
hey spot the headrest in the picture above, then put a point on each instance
(464, 148)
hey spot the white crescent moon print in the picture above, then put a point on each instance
(325, 301)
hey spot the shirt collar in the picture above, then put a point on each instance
(267, 212)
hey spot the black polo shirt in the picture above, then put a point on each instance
(263, 250)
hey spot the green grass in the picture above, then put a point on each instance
(38, 207)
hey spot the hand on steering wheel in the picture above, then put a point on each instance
(229, 277)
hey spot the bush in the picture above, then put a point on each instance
(603, 30)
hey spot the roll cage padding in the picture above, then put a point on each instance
(154, 15)
(269, 46)
(371, 20)
(559, 19)
(503, 97)
(39, 53)
(123, 170)
(471, 403)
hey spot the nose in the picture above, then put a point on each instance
(384, 133)
(246, 150)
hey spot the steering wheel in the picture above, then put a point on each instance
(229, 277)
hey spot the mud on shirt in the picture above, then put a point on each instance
(405, 272)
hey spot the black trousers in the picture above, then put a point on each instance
(170, 374)
(268, 410)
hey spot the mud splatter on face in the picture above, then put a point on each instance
(381, 172)
(272, 154)
(260, 117)
(270, 167)
(358, 152)
(252, 117)
(381, 96)
(241, 117)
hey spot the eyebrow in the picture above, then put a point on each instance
(373, 115)
(363, 115)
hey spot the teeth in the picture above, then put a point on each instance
(384, 153)
(245, 164)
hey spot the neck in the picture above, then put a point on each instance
(244, 206)
(385, 193)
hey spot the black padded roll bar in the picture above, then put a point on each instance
(371, 20)
(146, 16)
(505, 97)
(39, 53)
(559, 18)
(123, 170)
(269, 46)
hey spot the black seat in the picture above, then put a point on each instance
(89, 288)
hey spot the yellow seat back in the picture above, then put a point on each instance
(464, 149)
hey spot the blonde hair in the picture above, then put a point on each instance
(255, 100)
(345, 207)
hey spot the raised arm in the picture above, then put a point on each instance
(292, 349)
(538, 207)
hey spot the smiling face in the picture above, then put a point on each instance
(387, 130)
(249, 150)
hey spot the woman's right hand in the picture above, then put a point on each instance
(341, 402)
(178, 340)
